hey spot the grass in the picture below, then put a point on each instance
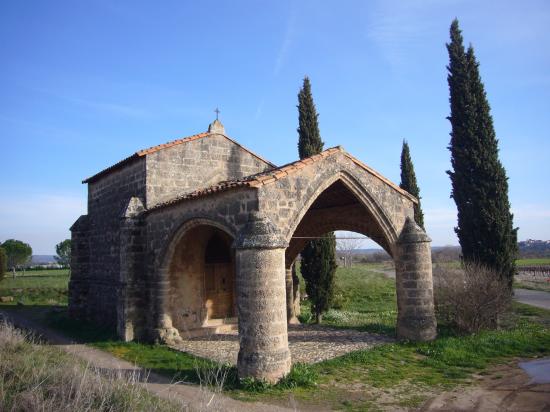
(364, 300)
(43, 378)
(399, 374)
(176, 365)
(40, 287)
(533, 261)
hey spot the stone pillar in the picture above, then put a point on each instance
(164, 331)
(79, 283)
(292, 294)
(415, 302)
(261, 297)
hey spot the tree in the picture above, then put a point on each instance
(309, 137)
(63, 250)
(408, 182)
(318, 266)
(318, 263)
(3, 263)
(479, 183)
(347, 245)
(17, 252)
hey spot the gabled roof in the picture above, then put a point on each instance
(159, 147)
(270, 176)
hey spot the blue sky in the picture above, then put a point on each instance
(85, 84)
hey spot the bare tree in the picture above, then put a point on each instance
(346, 244)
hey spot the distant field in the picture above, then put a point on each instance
(37, 287)
(519, 262)
(532, 262)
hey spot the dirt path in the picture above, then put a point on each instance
(533, 297)
(192, 397)
(504, 388)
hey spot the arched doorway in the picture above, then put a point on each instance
(201, 278)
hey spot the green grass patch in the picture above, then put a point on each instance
(533, 261)
(177, 365)
(37, 287)
(364, 299)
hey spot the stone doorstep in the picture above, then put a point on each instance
(212, 327)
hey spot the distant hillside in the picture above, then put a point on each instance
(42, 259)
(531, 248)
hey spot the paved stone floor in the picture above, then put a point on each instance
(307, 343)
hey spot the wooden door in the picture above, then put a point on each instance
(219, 290)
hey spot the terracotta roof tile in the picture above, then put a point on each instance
(270, 176)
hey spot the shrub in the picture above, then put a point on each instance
(471, 298)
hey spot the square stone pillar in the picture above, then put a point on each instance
(130, 279)
(261, 302)
(413, 276)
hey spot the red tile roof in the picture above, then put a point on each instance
(273, 175)
(154, 149)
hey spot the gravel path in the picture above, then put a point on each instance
(307, 343)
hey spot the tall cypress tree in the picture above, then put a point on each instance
(479, 183)
(309, 137)
(318, 264)
(408, 182)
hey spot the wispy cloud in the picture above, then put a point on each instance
(113, 108)
(400, 29)
(40, 220)
(287, 41)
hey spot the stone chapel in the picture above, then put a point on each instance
(200, 233)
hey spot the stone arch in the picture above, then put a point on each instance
(342, 203)
(181, 295)
(372, 207)
(167, 251)
(366, 216)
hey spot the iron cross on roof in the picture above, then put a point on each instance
(217, 111)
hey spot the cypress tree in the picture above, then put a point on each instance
(309, 137)
(318, 265)
(408, 182)
(479, 183)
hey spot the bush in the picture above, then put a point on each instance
(3, 263)
(470, 299)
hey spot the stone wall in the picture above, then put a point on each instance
(108, 198)
(196, 165)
